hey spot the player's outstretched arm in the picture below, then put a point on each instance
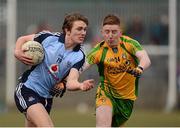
(19, 53)
(144, 63)
(73, 83)
(144, 60)
(85, 67)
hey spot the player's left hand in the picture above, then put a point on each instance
(58, 90)
(20, 55)
(87, 85)
(137, 72)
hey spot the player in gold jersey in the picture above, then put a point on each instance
(121, 61)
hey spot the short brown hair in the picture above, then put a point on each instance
(111, 20)
(70, 18)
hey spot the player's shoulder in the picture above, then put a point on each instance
(48, 33)
(41, 36)
(99, 44)
(80, 53)
(128, 40)
(130, 43)
(97, 48)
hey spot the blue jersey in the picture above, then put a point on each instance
(56, 64)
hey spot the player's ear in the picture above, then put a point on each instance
(121, 29)
(67, 31)
(120, 33)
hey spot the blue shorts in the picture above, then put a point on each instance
(25, 97)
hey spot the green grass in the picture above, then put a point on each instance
(154, 119)
(61, 117)
(70, 118)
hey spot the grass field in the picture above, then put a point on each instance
(69, 118)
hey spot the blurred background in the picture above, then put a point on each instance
(154, 23)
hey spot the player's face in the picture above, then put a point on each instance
(78, 32)
(111, 34)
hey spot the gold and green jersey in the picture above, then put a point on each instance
(115, 65)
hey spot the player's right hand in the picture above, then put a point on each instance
(19, 54)
(87, 85)
(58, 90)
(137, 72)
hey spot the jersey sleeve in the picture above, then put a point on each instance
(93, 57)
(136, 46)
(79, 64)
(39, 37)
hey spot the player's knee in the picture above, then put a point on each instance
(103, 121)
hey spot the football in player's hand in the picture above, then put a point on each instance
(34, 50)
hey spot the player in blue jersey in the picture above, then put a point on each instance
(63, 59)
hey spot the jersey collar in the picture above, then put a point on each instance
(62, 38)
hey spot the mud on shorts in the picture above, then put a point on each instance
(122, 108)
(25, 97)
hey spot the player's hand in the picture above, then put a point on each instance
(58, 90)
(137, 72)
(87, 85)
(19, 54)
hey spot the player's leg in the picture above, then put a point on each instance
(35, 107)
(37, 114)
(28, 123)
(118, 120)
(123, 109)
(103, 109)
(103, 116)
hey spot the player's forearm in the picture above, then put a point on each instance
(17, 51)
(19, 43)
(21, 40)
(73, 85)
(85, 67)
(145, 62)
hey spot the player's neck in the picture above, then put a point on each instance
(114, 44)
(69, 44)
